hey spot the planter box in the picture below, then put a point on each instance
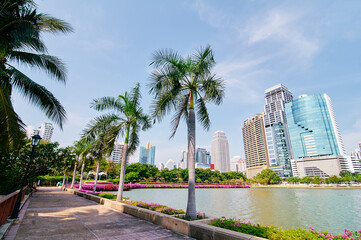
(151, 216)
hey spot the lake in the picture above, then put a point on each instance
(324, 209)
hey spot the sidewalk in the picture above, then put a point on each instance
(55, 214)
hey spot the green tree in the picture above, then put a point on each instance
(21, 28)
(127, 118)
(183, 85)
(269, 176)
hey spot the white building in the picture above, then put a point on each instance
(160, 166)
(31, 131)
(170, 164)
(46, 131)
(184, 161)
(238, 164)
(117, 152)
(220, 152)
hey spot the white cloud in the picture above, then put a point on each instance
(285, 28)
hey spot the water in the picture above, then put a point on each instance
(324, 209)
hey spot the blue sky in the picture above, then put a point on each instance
(309, 46)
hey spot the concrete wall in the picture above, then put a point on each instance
(328, 164)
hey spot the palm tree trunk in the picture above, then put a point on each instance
(122, 167)
(74, 174)
(67, 179)
(63, 180)
(81, 175)
(96, 177)
(191, 205)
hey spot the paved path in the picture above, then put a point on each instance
(55, 214)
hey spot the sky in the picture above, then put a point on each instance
(310, 47)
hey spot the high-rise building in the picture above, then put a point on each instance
(160, 166)
(170, 164)
(275, 123)
(238, 164)
(255, 148)
(313, 128)
(356, 154)
(30, 131)
(220, 152)
(117, 152)
(147, 154)
(184, 161)
(46, 131)
(202, 155)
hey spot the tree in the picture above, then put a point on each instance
(127, 118)
(183, 85)
(269, 176)
(21, 28)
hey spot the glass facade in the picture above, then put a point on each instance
(312, 127)
(147, 154)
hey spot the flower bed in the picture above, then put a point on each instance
(155, 207)
(276, 233)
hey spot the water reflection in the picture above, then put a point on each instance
(324, 209)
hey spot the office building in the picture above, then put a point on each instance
(220, 152)
(147, 154)
(30, 131)
(46, 131)
(238, 164)
(313, 128)
(202, 156)
(160, 166)
(277, 139)
(255, 148)
(184, 161)
(117, 152)
(203, 165)
(170, 164)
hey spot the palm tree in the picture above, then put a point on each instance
(21, 27)
(183, 84)
(79, 148)
(126, 119)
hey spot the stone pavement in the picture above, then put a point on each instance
(56, 214)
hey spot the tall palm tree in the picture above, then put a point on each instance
(127, 118)
(79, 148)
(21, 27)
(183, 85)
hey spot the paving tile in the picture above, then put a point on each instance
(56, 214)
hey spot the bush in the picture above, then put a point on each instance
(107, 195)
(278, 233)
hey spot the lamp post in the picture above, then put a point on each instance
(35, 141)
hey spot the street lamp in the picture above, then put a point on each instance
(34, 142)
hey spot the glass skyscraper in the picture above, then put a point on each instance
(275, 123)
(312, 127)
(147, 154)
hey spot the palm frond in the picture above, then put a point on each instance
(133, 139)
(135, 95)
(202, 113)
(181, 110)
(54, 25)
(213, 88)
(107, 103)
(52, 65)
(39, 96)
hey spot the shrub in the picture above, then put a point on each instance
(278, 233)
(107, 195)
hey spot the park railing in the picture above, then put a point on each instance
(7, 204)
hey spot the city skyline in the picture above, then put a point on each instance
(267, 44)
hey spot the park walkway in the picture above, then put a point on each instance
(56, 214)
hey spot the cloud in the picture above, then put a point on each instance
(212, 16)
(285, 28)
(243, 78)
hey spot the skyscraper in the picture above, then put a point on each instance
(46, 131)
(220, 152)
(315, 138)
(147, 154)
(255, 148)
(277, 138)
(117, 152)
(201, 155)
(238, 164)
(313, 128)
(170, 164)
